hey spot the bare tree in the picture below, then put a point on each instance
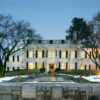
(94, 41)
(13, 33)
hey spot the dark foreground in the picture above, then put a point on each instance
(49, 91)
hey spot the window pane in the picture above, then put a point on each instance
(40, 54)
(20, 58)
(10, 58)
(72, 54)
(63, 54)
(51, 54)
(82, 67)
(10, 68)
(15, 48)
(82, 54)
(10, 47)
(39, 65)
(63, 66)
(30, 65)
(72, 66)
(93, 67)
(30, 54)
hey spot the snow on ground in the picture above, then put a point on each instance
(7, 78)
(92, 78)
(47, 82)
(10, 78)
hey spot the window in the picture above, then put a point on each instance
(21, 48)
(10, 58)
(10, 47)
(39, 54)
(30, 54)
(15, 48)
(30, 65)
(82, 67)
(63, 54)
(51, 54)
(39, 65)
(63, 66)
(82, 54)
(20, 58)
(72, 54)
(10, 68)
(93, 67)
(72, 66)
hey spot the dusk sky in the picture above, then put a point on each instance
(50, 18)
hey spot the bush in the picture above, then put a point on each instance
(42, 70)
(77, 72)
(57, 70)
(51, 41)
(22, 72)
(39, 41)
(63, 41)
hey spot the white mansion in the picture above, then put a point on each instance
(51, 54)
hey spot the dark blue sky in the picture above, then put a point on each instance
(50, 18)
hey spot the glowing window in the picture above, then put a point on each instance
(21, 48)
(82, 67)
(10, 68)
(72, 66)
(15, 48)
(51, 54)
(82, 54)
(63, 66)
(10, 58)
(39, 65)
(21, 68)
(20, 58)
(10, 47)
(30, 65)
(63, 54)
(72, 54)
(40, 54)
(30, 54)
(93, 67)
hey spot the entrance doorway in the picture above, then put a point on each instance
(51, 67)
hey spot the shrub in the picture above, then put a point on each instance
(42, 70)
(78, 72)
(63, 41)
(57, 70)
(22, 72)
(51, 41)
(39, 41)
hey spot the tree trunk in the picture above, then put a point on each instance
(2, 68)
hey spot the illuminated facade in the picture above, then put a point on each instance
(51, 54)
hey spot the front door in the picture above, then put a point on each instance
(51, 67)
